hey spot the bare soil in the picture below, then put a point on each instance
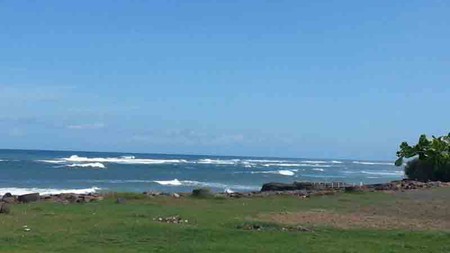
(411, 210)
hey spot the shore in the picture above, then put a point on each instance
(404, 220)
(298, 189)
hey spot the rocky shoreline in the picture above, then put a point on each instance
(300, 189)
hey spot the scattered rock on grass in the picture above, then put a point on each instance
(121, 201)
(171, 219)
(271, 227)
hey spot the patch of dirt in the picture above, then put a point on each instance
(412, 210)
(354, 220)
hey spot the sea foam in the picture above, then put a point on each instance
(46, 191)
(174, 182)
(119, 160)
(87, 165)
(218, 161)
(384, 173)
(279, 172)
(192, 183)
(373, 163)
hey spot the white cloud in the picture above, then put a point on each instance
(86, 126)
(32, 93)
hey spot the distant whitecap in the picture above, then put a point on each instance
(87, 165)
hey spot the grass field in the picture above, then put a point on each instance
(360, 222)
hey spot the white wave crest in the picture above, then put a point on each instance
(318, 169)
(384, 173)
(295, 165)
(46, 191)
(278, 172)
(265, 161)
(87, 165)
(286, 172)
(191, 183)
(174, 182)
(336, 162)
(116, 181)
(228, 190)
(119, 160)
(315, 162)
(374, 163)
(52, 161)
(218, 161)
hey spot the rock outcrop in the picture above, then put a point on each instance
(27, 198)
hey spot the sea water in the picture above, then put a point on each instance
(50, 172)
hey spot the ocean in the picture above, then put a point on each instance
(51, 172)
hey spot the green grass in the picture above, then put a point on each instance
(213, 227)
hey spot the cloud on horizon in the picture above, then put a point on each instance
(86, 126)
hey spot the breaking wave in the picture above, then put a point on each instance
(46, 191)
(296, 165)
(87, 165)
(218, 161)
(119, 160)
(279, 172)
(373, 163)
(176, 182)
(384, 173)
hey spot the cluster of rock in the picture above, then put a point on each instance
(271, 227)
(310, 188)
(399, 185)
(300, 189)
(155, 194)
(65, 198)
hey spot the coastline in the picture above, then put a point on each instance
(298, 189)
(333, 221)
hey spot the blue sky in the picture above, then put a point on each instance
(318, 79)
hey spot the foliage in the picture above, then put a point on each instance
(432, 158)
(423, 170)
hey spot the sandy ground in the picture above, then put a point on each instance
(413, 210)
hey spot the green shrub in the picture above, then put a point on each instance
(431, 159)
(202, 193)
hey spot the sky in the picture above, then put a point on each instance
(313, 79)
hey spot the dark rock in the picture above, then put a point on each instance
(27, 198)
(9, 200)
(121, 201)
(152, 194)
(308, 186)
(353, 189)
(278, 187)
(202, 193)
(4, 208)
(8, 195)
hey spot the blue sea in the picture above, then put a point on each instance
(50, 172)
